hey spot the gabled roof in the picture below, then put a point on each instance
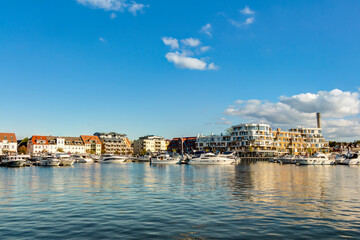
(10, 137)
(35, 138)
(88, 138)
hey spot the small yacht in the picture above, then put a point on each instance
(83, 159)
(230, 155)
(145, 158)
(339, 159)
(317, 159)
(211, 159)
(49, 161)
(353, 159)
(65, 159)
(15, 161)
(110, 158)
(288, 159)
(166, 158)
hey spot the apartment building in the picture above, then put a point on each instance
(51, 144)
(251, 139)
(92, 144)
(313, 140)
(288, 142)
(188, 144)
(213, 142)
(8, 144)
(115, 143)
(150, 143)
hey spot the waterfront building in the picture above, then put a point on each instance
(288, 142)
(92, 144)
(51, 144)
(8, 144)
(313, 139)
(150, 143)
(213, 142)
(115, 143)
(188, 144)
(253, 140)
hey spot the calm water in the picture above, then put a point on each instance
(132, 201)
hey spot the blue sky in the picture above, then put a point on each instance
(75, 67)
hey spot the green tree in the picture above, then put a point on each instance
(229, 131)
(143, 152)
(117, 152)
(60, 150)
(92, 152)
(310, 151)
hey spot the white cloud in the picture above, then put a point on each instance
(205, 48)
(136, 7)
(182, 61)
(335, 103)
(240, 23)
(340, 111)
(224, 121)
(247, 11)
(192, 42)
(184, 56)
(207, 29)
(212, 66)
(101, 39)
(172, 42)
(249, 20)
(113, 16)
(114, 5)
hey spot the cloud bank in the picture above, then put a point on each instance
(340, 111)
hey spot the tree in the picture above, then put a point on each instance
(22, 150)
(143, 152)
(310, 151)
(229, 131)
(117, 152)
(92, 151)
(60, 150)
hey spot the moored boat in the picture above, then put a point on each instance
(211, 159)
(49, 161)
(110, 158)
(353, 159)
(317, 159)
(166, 158)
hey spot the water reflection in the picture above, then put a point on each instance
(180, 202)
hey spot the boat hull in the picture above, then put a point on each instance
(314, 162)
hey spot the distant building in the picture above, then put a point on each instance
(252, 140)
(213, 143)
(150, 143)
(50, 144)
(92, 144)
(8, 144)
(313, 139)
(288, 142)
(189, 144)
(115, 143)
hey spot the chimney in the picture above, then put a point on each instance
(318, 118)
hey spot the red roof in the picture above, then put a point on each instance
(86, 139)
(34, 139)
(10, 137)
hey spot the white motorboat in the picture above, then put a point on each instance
(65, 159)
(83, 159)
(288, 159)
(166, 158)
(339, 159)
(211, 159)
(110, 158)
(230, 155)
(49, 162)
(15, 161)
(317, 159)
(353, 159)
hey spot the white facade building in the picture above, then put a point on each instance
(50, 144)
(150, 144)
(213, 142)
(8, 144)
